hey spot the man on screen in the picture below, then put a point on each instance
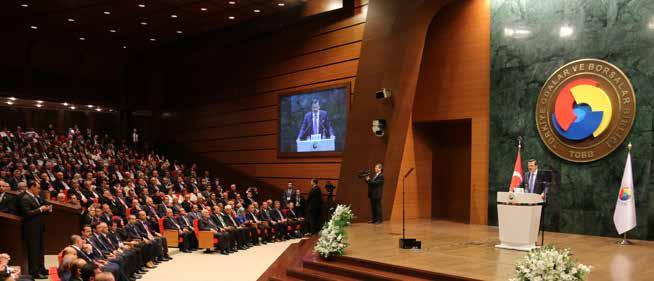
(316, 122)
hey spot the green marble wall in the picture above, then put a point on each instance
(527, 45)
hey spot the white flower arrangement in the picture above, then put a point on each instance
(333, 238)
(549, 263)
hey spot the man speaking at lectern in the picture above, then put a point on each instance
(533, 180)
(316, 122)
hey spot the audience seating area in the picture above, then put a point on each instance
(135, 204)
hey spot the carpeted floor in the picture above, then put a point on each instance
(197, 266)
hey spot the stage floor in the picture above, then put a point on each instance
(469, 250)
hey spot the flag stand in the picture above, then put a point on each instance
(624, 240)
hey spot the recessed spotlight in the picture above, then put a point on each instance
(144, 23)
(179, 32)
(231, 17)
(203, 9)
(73, 107)
(106, 13)
(112, 30)
(10, 102)
(65, 104)
(38, 105)
(24, 5)
(231, 2)
(173, 16)
(12, 98)
(34, 27)
(257, 10)
(71, 20)
(39, 101)
(82, 38)
(281, 4)
(98, 109)
(141, 5)
(90, 106)
(153, 39)
(124, 47)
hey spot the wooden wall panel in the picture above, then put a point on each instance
(238, 125)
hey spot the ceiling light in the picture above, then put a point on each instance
(12, 98)
(38, 105)
(257, 10)
(173, 16)
(231, 17)
(112, 30)
(73, 107)
(90, 106)
(107, 13)
(179, 32)
(10, 102)
(39, 101)
(34, 27)
(566, 31)
(232, 2)
(24, 5)
(71, 20)
(144, 23)
(203, 9)
(124, 47)
(141, 5)
(82, 39)
(153, 39)
(281, 4)
(98, 109)
(65, 104)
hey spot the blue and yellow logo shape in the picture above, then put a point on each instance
(625, 193)
(585, 110)
(582, 109)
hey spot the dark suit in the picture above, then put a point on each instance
(538, 186)
(7, 203)
(324, 125)
(375, 190)
(314, 209)
(171, 223)
(32, 231)
(224, 240)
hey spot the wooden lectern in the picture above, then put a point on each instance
(518, 219)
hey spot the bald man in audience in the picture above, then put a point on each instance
(206, 224)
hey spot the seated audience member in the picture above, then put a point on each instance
(171, 223)
(153, 235)
(76, 269)
(10, 273)
(250, 232)
(63, 271)
(278, 216)
(296, 220)
(278, 229)
(88, 271)
(7, 201)
(92, 254)
(206, 224)
(252, 219)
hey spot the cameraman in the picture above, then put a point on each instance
(375, 188)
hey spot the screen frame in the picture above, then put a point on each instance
(348, 93)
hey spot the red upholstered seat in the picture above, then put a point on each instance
(52, 272)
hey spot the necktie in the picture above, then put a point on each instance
(315, 123)
(255, 218)
(532, 179)
(281, 216)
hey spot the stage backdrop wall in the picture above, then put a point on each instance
(620, 32)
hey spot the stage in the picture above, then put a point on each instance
(469, 250)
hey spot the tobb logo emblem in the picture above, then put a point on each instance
(585, 110)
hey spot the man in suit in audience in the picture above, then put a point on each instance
(254, 221)
(7, 202)
(289, 194)
(236, 236)
(150, 251)
(31, 208)
(102, 258)
(248, 235)
(279, 228)
(152, 235)
(170, 222)
(296, 220)
(278, 216)
(186, 222)
(206, 224)
(314, 207)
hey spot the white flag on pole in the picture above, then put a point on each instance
(624, 217)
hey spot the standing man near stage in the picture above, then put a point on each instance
(31, 207)
(314, 206)
(375, 188)
(533, 180)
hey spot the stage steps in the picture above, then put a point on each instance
(299, 262)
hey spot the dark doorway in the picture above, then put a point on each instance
(443, 147)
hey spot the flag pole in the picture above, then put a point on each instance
(624, 240)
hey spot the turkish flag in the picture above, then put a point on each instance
(516, 178)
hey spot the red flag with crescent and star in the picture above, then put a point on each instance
(516, 178)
